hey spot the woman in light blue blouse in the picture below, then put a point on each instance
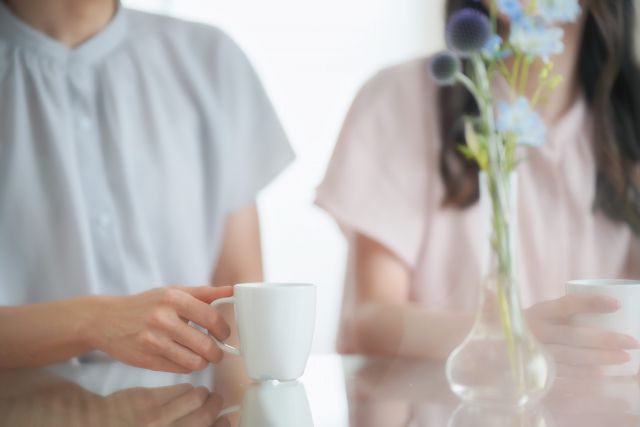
(132, 147)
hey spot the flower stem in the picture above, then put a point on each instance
(493, 12)
(470, 86)
(538, 94)
(497, 175)
(504, 70)
(515, 72)
(524, 77)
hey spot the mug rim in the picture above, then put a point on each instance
(274, 285)
(603, 283)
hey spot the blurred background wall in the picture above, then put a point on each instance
(313, 56)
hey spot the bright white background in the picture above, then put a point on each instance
(313, 56)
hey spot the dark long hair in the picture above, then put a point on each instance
(609, 79)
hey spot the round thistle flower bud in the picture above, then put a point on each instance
(444, 67)
(468, 31)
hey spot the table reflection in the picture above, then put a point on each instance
(406, 393)
(335, 392)
(106, 394)
(469, 416)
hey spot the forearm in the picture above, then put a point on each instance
(41, 334)
(405, 331)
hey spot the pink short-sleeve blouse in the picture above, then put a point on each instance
(383, 181)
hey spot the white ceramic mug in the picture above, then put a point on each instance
(625, 321)
(275, 324)
(275, 405)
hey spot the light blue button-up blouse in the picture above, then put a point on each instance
(120, 159)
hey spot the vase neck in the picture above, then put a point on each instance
(499, 205)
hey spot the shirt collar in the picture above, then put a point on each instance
(15, 31)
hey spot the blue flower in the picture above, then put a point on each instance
(519, 120)
(512, 8)
(493, 48)
(536, 40)
(559, 10)
(468, 30)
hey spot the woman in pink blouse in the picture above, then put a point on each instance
(407, 202)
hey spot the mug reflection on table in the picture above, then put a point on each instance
(274, 404)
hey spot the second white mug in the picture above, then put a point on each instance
(625, 321)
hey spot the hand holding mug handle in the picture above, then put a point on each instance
(222, 345)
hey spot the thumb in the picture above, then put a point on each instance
(208, 293)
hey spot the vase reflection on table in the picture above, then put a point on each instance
(470, 416)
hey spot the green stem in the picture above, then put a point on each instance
(470, 86)
(515, 72)
(498, 186)
(538, 94)
(504, 70)
(493, 11)
(497, 175)
(524, 78)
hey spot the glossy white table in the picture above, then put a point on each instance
(334, 392)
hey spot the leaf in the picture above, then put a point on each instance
(510, 153)
(476, 148)
(555, 81)
(471, 137)
(483, 155)
(532, 8)
(546, 70)
(466, 151)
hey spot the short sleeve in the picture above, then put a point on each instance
(256, 148)
(376, 183)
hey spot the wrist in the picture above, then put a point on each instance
(90, 316)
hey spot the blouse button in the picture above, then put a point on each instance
(84, 123)
(104, 222)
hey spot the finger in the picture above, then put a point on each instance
(204, 315)
(149, 396)
(162, 395)
(577, 356)
(586, 419)
(182, 356)
(581, 336)
(578, 372)
(162, 364)
(208, 294)
(573, 304)
(222, 422)
(182, 405)
(582, 404)
(204, 416)
(163, 352)
(196, 341)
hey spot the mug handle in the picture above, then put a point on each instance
(222, 345)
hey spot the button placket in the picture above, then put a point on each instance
(79, 80)
(93, 171)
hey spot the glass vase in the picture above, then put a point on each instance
(500, 363)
